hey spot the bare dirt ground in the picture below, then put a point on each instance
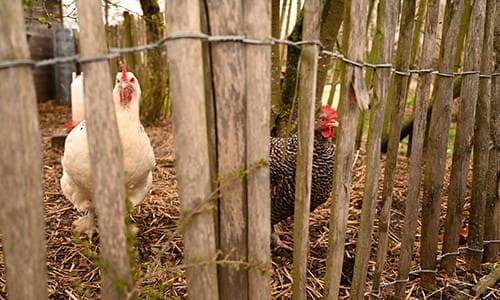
(73, 274)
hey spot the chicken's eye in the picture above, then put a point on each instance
(132, 79)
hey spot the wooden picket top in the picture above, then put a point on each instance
(224, 83)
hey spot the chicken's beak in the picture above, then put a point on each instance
(123, 84)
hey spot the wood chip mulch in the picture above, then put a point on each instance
(73, 275)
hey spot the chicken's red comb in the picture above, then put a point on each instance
(329, 111)
(124, 71)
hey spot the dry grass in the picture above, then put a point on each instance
(73, 275)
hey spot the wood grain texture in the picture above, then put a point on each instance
(419, 125)
(463, 140)
(21, 211)
(306, 108)
(397, 96)
(105, 155)
(228, 75)
(353, 46)
(187, 90)
(481, 135)
(387, 15)
(437, 140)
(258, 99)
(492, 223)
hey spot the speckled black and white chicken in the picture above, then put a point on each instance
(138, 156)
(283, 166)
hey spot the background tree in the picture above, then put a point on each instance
(155, 92)
(331, 19)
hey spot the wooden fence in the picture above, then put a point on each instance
(132, 32)
(219, 157)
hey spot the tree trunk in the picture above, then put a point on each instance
(21, 200)
(155, 92)
(275, 55)
(331, 19)
(289, 86)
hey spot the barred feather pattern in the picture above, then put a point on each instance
(282, 169)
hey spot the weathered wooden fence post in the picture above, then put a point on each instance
(492, 223)
(129, 40)
(228, 69)
(113, 34)
(437, 140)
(21, 198)
(306, 110)
(463, 139)
(185, 63)
(353, 95)
(415, 170)
(397, 98)
(481, 141)
(387, 16)
(258, 100)
(106, 155)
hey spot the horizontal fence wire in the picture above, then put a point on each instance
(376, 293)
(115, 52)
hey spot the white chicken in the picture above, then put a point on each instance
(139, 160)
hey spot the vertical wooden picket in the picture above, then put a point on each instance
(492, 217)
(258, 101)
(419, 125)
(306, 110)
(228, 71)
(353, 96)
(435, 155)
(463, 140)
(106, 155)
(185, 62)
(21, 198)
(387, 16)
(397, 97)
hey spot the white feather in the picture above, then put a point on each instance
(139, 160)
